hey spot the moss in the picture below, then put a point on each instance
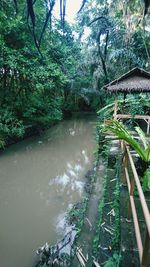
(104, 153)
(76, 214)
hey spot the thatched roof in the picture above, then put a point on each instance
(136, 80)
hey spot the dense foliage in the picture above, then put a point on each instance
(119, 36)
(46, 71)
(33, 85)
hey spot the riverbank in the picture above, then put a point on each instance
(113, 239)
(31, 130)
(106, 243)
(99, 239)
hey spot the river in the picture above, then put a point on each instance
(40, 178)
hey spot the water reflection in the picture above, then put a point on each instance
(69, 179)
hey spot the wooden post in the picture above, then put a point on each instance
(115, 109)
(125, 165)
(122, 145)
(129, 211)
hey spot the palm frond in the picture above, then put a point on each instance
(119, 130)
(142, 137)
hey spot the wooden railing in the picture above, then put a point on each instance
(117, 116)
(132, 180)
(146, 118)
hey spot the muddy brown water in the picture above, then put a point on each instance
(40, 178)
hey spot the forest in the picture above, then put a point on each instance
(49, 68)
(65, 185)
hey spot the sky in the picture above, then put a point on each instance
(73, 7)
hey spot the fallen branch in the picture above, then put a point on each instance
(89, 223)
(96, 263)
(80, 259)
(113, 180)
(107, 230)
(103, 248)
(112, 212)
(102, 224)
(81, 254)
(108, 203)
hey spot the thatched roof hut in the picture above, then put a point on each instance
(135, 81)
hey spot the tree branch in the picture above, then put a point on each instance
(99, 18)
(49, 14)
(82, 6)
(101, 55)
(106, 43)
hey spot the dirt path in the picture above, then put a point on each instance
(85, 240)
